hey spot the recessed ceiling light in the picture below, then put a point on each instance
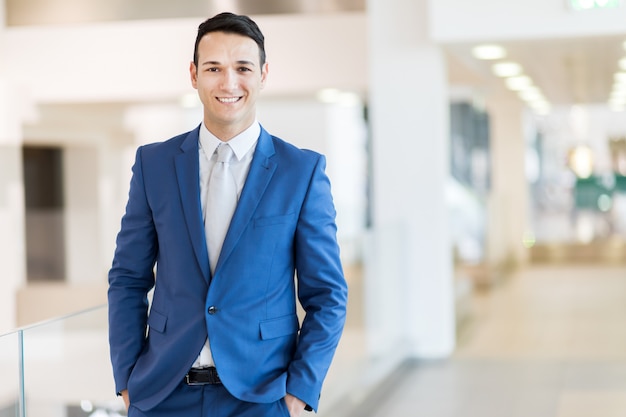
(531, 95)
(507, 69)
(328, 95)
(531, 89)
(583, 4)
(488, 52)
(539, 104)
(622, 64)
(619, 86)
(518, 83)
(618, 90)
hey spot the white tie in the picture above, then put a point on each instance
(220, 204)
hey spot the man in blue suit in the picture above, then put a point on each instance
(221, 337)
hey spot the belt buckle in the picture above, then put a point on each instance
(204, 376)
(191, 383)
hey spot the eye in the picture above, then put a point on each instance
(245, 69)
(212, 69)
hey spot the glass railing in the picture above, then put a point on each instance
(11, 391)
(59, 368)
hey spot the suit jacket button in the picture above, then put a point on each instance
(212, 310)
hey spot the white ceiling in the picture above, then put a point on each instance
(568, 71)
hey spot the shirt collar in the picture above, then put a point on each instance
(240, 144)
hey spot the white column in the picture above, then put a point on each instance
(338, 131)
(507, 216)
(115, 162)
(409, 274)
(12, 240)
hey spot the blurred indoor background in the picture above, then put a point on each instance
(477, 153)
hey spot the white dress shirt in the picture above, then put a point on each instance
(243, 146)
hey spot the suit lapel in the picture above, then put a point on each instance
(261, 171)
(187, 173)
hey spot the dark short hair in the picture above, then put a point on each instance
(231, 23)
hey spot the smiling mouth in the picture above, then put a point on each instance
(228, 99)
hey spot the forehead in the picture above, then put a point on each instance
(214, 45)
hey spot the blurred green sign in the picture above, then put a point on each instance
(593, 194)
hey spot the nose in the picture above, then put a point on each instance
(229, 79)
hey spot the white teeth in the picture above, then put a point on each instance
(228, 100)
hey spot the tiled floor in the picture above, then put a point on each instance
(549, 342)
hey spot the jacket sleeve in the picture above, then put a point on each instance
(130, 279)
(322, 290)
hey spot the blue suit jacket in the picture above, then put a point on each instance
(284, 225)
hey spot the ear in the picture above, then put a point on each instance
(264, 72)
(193, 74)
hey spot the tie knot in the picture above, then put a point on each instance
(224, 153)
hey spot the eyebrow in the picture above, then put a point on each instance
(240, 62)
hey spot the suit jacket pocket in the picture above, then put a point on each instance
(268, 221)
(282, 326)
(157, 321)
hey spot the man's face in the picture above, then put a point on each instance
(228, 78)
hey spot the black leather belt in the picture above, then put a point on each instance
(202, 376)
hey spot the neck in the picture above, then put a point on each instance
(227, 131)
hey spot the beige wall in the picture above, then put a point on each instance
(40, 302)
(149, 60)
